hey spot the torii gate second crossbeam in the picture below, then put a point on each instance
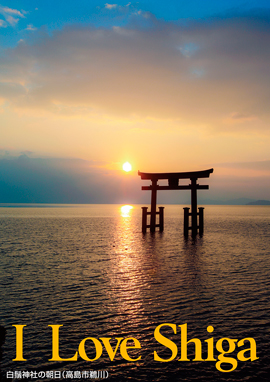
(173, 184)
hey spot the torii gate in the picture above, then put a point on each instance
(173, 184)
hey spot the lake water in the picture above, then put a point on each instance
(90, 269)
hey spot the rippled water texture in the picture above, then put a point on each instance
(90, 269)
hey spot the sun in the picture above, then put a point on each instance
(127, 167)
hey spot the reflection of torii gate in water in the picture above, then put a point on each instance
(173, 184)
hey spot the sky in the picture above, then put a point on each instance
(167, 86)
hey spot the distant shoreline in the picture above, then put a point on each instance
(263, 203)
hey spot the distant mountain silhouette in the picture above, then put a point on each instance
(220, 202)
(259, 203)
(232, 202)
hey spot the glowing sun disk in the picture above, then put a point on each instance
(127, 167)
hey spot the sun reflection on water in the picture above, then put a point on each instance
(126, 211)
(126, 273)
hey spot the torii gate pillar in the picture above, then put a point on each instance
(194, 205)
(153, 206)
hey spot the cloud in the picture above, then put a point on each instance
(260, 167)
(11, 20)
(6, 10)
(30, 27)
(116, 6)
(240, 179)
(27, 179)
(236, 118)
(111, 6)
(12, 16)
(63, 180)
(11, 90)
(212, 74)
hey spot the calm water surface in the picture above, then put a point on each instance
(90, 269)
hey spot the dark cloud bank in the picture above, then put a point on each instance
(24, 179)
(49, 180)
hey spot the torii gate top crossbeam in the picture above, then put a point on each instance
(176, 175)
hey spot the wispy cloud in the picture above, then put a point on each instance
(30, 27)
(12, 16)
(7, 10)
(236, 118)
(111, 6)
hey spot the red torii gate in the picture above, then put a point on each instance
(173, 184)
